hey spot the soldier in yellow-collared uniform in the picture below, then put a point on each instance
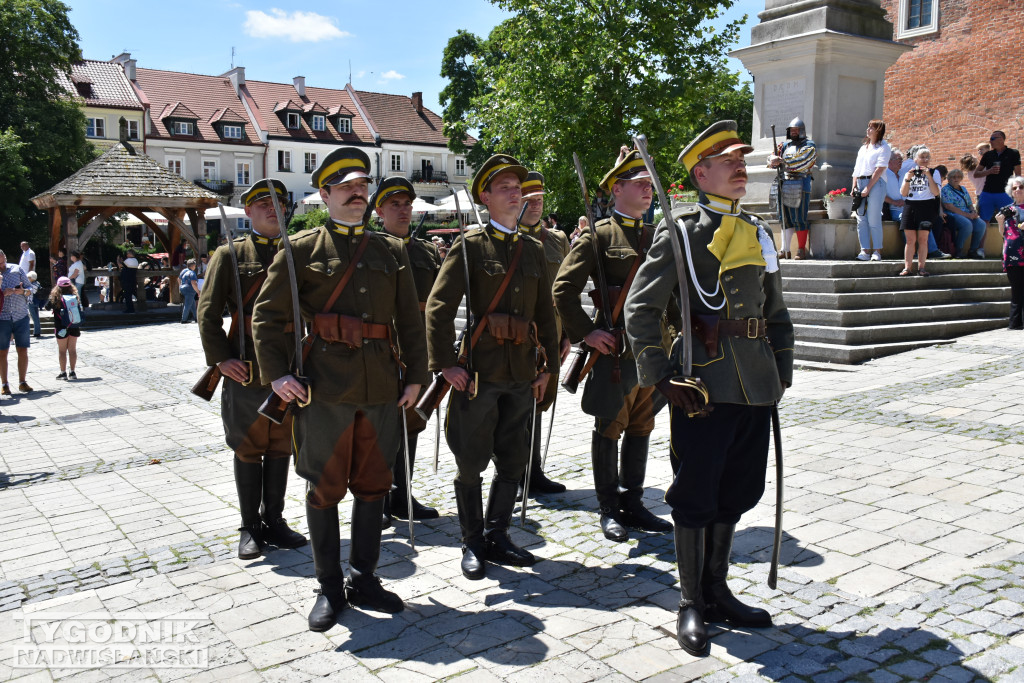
(347, 437)
(556, 247)
(262, 449)
(504, 359)
(742, 352)
(620, 406)
(393, 203)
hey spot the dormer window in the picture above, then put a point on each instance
(292, 121)
(344, 124)
(319, 122)
(183, 128)
(233, 132)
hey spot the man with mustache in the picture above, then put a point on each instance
(356, 292)
(742, 347)
(514, 334)
(619, 405)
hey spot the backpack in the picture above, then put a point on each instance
(70, 312)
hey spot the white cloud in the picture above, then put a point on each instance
(298, 27)
(391, 75)
(360, 74)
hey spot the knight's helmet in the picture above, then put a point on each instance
(798, 123)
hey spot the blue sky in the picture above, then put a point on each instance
(393, 47)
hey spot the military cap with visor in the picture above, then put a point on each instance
(340, 166)
(499, 163)
(391, 186)
(261, 189)
(533, 185)
(631, 167)
(720, 138)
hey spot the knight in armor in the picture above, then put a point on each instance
(262, 448)
(742, 352)
(797, 156)
(619, 405)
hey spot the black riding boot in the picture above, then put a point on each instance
(722, 605)
(325, 540)
(249, 483)
(604, 456)
(690, 630)
(363, 588)
(631, 487)
(275, 484)
(471, 519)
(500, 548)
(399, 502)
(539, 482)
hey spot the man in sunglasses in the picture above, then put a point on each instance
(997, 166)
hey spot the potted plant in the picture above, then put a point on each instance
(838, 204)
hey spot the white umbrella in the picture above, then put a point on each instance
(313, 199)
(423, 206)
(448, 203)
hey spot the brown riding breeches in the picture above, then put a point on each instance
(250, 435)
(636, 417)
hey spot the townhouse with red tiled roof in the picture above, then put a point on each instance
(105, 95)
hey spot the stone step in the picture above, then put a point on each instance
(866, 269)
(895, 333)
(901, 298)
(891, 283)
(899, 314)
(852, 354)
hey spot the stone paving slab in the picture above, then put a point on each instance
(903, 553)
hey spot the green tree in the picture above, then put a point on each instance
(564, 76)
(42, 131)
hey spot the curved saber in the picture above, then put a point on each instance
(773, 571)
(526, 480)
(551, 428)
(408, 479)
(237, 282)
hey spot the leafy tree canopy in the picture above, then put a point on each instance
(564, 76)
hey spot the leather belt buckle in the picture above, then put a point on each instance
(753, 328)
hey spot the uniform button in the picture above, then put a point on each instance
(366, 316)
(515, 289)
(739, 305)
(734, 291)
(516, 311)
(728, 278)
(330, 271)
(359, 265)
(362, 290)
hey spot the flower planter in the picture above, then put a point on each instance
(839, 207)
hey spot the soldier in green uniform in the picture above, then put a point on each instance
(508, 281)
(556, 247)
(262, 449)
(393, 203)
(355, 290)
(742, 351)
(612, 395)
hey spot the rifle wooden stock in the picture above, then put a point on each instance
(575, 367)
(207, 384)
(276, 408)
(432, 397)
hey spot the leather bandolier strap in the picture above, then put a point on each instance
(485, 323)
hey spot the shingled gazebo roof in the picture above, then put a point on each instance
(123, 177)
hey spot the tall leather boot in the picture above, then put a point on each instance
(604, 456)
(632, 472)
(275, 484)
(690, 630)
(399, 501)
(500, 548)
(471, 519)
(722, 605)
(363, 587)
(249, 484)
(325, 539)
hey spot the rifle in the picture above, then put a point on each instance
(780, 179)
(578, 363)
(419, 227)
(207, 384)
(275, 408)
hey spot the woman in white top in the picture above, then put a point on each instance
(921, 187)
(869, 178)
(76, 273)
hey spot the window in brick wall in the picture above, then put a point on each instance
(918, 17)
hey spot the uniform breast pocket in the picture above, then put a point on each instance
(620, 253)
(493, 268)
(324, 269)
(382, 278)
(249, 268)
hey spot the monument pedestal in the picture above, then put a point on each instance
(824, 62)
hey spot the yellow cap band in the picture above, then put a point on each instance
(340, 164)
(482, 183)
(717, 141)
(530, 186)
(259, 193)
(397, 189)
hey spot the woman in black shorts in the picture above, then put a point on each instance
(67, 333)
(921, 186)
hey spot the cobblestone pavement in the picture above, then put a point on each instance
(904, 548)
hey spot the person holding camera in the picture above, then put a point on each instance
(921, 211)
(869, 180)
(1010, 220)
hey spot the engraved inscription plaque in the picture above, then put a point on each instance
(783, 100)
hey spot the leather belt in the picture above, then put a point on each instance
(369, 331)
(751, 328)
(863, 177)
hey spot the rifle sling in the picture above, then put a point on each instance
(233, 331)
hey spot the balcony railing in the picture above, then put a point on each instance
(419, 176)
(216, 186)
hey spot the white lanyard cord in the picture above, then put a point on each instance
(702, 294)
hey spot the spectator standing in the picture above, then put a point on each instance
(179, 256)
(129, 280)
(581, 227)
(14, 322)
(33, 304)
(997, 166)
(893, 199)
(960, 212)
(27, 263)
(58, 265)
(921, 212)
(62, 298)
(201, 266)
(189, 288)
(1010, 220)
(76, 273)
(869, 174)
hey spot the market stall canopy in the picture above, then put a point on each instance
(210, 215)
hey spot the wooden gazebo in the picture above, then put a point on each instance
(125, 180)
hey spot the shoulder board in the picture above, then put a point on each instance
(685, 211)
(387, 236)
(530, 238)
(603, 222)
(474, 232)
(309, 233)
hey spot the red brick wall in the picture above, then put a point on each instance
(959, 84)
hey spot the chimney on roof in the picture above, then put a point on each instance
(122, 126)
(417, 102)
(126, 62)
(237, 77)
(300, 85)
